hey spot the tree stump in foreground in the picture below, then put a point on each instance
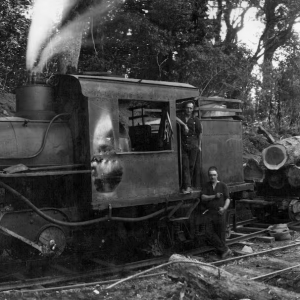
(211, 282)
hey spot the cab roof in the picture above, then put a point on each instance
(137, 81)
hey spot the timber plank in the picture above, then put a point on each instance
(247, 229)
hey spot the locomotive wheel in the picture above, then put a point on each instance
(51, 233)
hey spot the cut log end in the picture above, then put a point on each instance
(274, 157)
(276, 179)
(293, 175)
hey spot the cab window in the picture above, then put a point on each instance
(147, 125)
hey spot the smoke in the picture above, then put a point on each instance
(47, 15)
(66, 34)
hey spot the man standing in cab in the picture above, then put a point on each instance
(191, 130)
(216, 200)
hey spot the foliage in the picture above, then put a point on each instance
(168, 40)
(287, 105)
(215, 72)
(141, 38)
(13, 31)
(179, 40)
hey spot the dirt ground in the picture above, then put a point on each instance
(157, 287)
(160, 286)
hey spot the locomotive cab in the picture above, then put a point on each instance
(133, 140)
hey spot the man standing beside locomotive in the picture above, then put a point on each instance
(191, 130)
(216, 200)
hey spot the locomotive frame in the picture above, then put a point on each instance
(105, 149)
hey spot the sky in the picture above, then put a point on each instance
(252, 30)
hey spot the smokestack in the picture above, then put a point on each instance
(35, 100)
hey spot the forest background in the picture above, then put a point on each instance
(192, 41)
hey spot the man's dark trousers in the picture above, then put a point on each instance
(190, 158)
(215, 230)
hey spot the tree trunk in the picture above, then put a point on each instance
(284, 152)
(211, 282)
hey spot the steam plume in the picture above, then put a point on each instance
(45, 14)
(66, 34)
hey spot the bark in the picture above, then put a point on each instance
(282, 153)
(212, 283)
(261, 130)
(218, 25)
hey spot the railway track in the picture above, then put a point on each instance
(44, 272)
(264, 265)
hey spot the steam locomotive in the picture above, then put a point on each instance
(92, 157)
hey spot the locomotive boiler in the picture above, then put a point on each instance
(88, 155)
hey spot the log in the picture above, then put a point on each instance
(212, 283)
(276, 179)
(293, 175)
(283, 152)
(253, 171)
(267, 134)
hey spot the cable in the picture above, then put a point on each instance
(83, 223)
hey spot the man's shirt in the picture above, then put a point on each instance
(215, 204)
(195, 129)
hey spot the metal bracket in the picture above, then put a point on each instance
(188, 214)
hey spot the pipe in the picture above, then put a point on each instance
(83, 223)
(43, 142)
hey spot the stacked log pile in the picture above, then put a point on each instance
(284, 157)
(279, 163)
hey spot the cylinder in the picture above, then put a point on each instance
(35, 102)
